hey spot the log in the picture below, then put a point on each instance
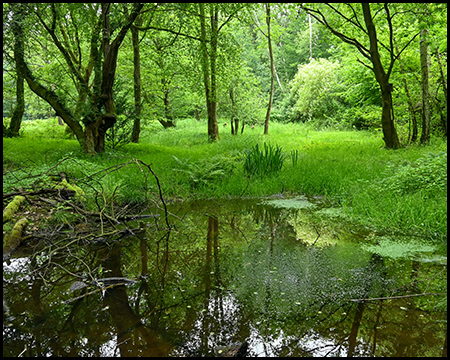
(12, 208)
(11, 242)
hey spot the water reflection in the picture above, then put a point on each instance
(225, 274)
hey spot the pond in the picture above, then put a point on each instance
(254, 277)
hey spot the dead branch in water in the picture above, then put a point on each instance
(395, 297)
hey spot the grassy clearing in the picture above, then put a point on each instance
(351, 168)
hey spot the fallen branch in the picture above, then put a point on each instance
(39, 192)
(395, 297)
(11, 242)
(12, 208)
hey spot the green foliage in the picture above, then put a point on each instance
(428, 173)
(265, 161)
(294, 157)
(120, 133)
(205, 171)
(317, 91)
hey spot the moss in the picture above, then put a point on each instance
(12, 208)
(79, 193)
(12, 241)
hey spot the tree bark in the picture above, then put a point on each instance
(426, 118)
(410, 103)
(209, 68)
(443, 80)
(272, 71)
(390, 136)
(97, 124)
(234, 119)
(137, 81)
(16, 118)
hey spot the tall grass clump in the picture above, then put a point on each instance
(264, 161)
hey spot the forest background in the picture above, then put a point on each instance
(334, 85)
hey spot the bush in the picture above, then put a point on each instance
(317, 91)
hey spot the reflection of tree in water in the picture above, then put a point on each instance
(211, 282)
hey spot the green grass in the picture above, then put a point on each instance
(350, 167)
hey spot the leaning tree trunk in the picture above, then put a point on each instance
(426, 118)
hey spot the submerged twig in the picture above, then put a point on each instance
(395, 297)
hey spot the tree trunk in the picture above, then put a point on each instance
(269, 107)
(16, 118)
(137, 81)
(97, 124)
(209, 64)
(410, 103)
(426, 118)
(442, 80)
(234, 119)
(390, 136)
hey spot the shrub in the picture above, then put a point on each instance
(317, 91)
(263, 161)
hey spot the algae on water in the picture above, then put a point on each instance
(396, 248)
(299, 202)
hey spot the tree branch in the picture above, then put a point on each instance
(321, 18)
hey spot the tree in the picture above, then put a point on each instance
(16, 118)
(136, 81)
(349, 15)
(95, 107)
(426, 116)
(209, 66)
(272, 70)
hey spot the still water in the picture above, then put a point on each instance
(273, 277)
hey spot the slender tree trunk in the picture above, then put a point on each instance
(410, 103)
(272, 71)
(16, 118)
(234, 119)
(214, 132)
(137, 81)
(443, 80)
(50, 96)
(209, 64)
(426, 118)
(310, 37)
(390, 136)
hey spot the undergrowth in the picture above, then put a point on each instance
(403, 189)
